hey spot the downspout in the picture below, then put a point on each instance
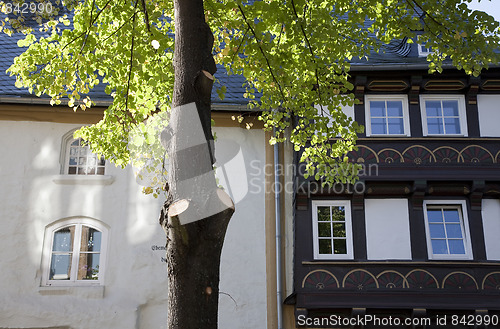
(277, 206)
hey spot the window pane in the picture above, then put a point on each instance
(435, 126)
(83, 151)
(433, 108)
(72, 170)
(377, 109)
(452, 125)
(434, 216)
(451, 216)
(456, 247)
(76, 142)
(101, 162)
(323, 213)
(100, 171)
(92, 161)
(60, 267)
(324, 229)
(396, 126)
(339, 230)
(395, 108)
(340, 246)
(72, 161)
(325, 246)
(450, 108)
(91, 239)
(453, 231)
(338, 214)
(437, 231)
(379, 126)
(88, 267)
(439, 247)
(63, 239)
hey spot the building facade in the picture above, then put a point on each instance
(417, 236)
(81, 246)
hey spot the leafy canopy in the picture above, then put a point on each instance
(293, 53)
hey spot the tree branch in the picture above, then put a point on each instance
(239, 46)
(88, 30)
(119, 28)
(313, 57)
(146, 16)
(131, 63)
(263, 53)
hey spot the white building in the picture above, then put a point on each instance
(81, 246)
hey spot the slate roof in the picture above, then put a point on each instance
(396, 56)
(9, 50)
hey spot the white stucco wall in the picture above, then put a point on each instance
(491, 226)
(135, 283)
(387, 229)
(489, 115)
(243, 265)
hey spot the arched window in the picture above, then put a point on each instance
(77, 158)
(74, 252)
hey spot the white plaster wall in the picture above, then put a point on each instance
(387, 229)
(135, 283)
(240, 159)
(491, 226)
(489, 115)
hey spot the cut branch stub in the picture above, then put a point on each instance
(191, 177)
(178, 207)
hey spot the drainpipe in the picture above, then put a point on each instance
(277, 206)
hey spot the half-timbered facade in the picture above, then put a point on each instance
(418, 235)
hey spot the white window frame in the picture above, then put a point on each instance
(406, 114)
(67, 139)
(348, 227)
(423, 53)
(464, 224)
(461, 113)
(47, 251)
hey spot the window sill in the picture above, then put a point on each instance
(79, 291)
(83, 179)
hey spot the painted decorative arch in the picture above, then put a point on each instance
(421, 279)
(418, 154)
(497, 157)
(389, 155)
(447, 154)
(459, 280)
(392, 279)
(476, 154)
(359, 279)
(364, 154)
(320, 279)
(491, 281)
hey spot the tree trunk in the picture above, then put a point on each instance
(197, 211)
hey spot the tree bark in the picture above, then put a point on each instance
(195, 231)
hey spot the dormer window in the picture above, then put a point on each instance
(423, 50)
